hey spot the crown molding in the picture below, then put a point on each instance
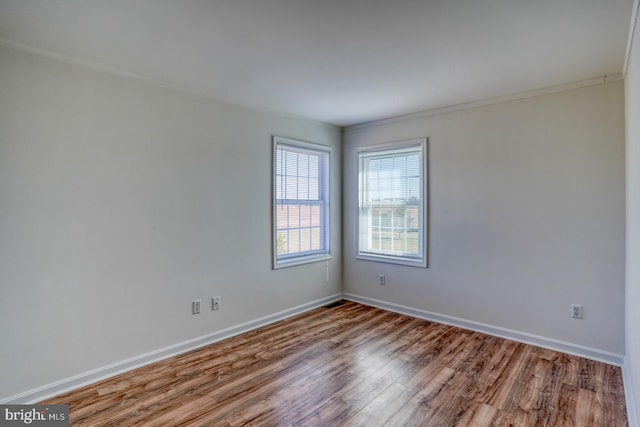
(632, 30)
(144, 79)
(608, 78)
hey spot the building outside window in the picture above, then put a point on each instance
(301, 220)
(392, 203)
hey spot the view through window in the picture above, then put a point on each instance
(391, 220)
(301, 202)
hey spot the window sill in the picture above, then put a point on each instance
(411, 262)
(301, 261)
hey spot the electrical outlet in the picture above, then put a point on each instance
(195, 306)
(577, 311)
(215, 303)
(381, 280)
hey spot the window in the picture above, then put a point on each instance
(392, 214)
(300, 202)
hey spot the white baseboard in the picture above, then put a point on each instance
(549, 343)
(80, 380)
(632, 410)
(86, 378)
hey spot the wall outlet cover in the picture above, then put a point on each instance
(577, 311)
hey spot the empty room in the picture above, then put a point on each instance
(320, 213)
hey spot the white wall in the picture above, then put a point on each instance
(526, 216)
(632, 354)
(122, 201)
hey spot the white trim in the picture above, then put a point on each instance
(108, 371)
(89, 377)
(601, 80)
(325, 189)
(113, 71)
(523, 337)
(632, 411)
(98, 67)
(632, 30)
(391, 148)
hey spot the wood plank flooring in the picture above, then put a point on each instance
(354, 365)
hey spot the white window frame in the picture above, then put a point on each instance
(325, 193)
(393, 148)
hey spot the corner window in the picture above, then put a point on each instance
(300, 202)
(392, 206)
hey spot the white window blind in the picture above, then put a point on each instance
(391, 219)
(301, 202)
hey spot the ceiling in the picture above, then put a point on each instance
(338, 61)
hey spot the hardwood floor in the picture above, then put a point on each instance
(349, 364)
